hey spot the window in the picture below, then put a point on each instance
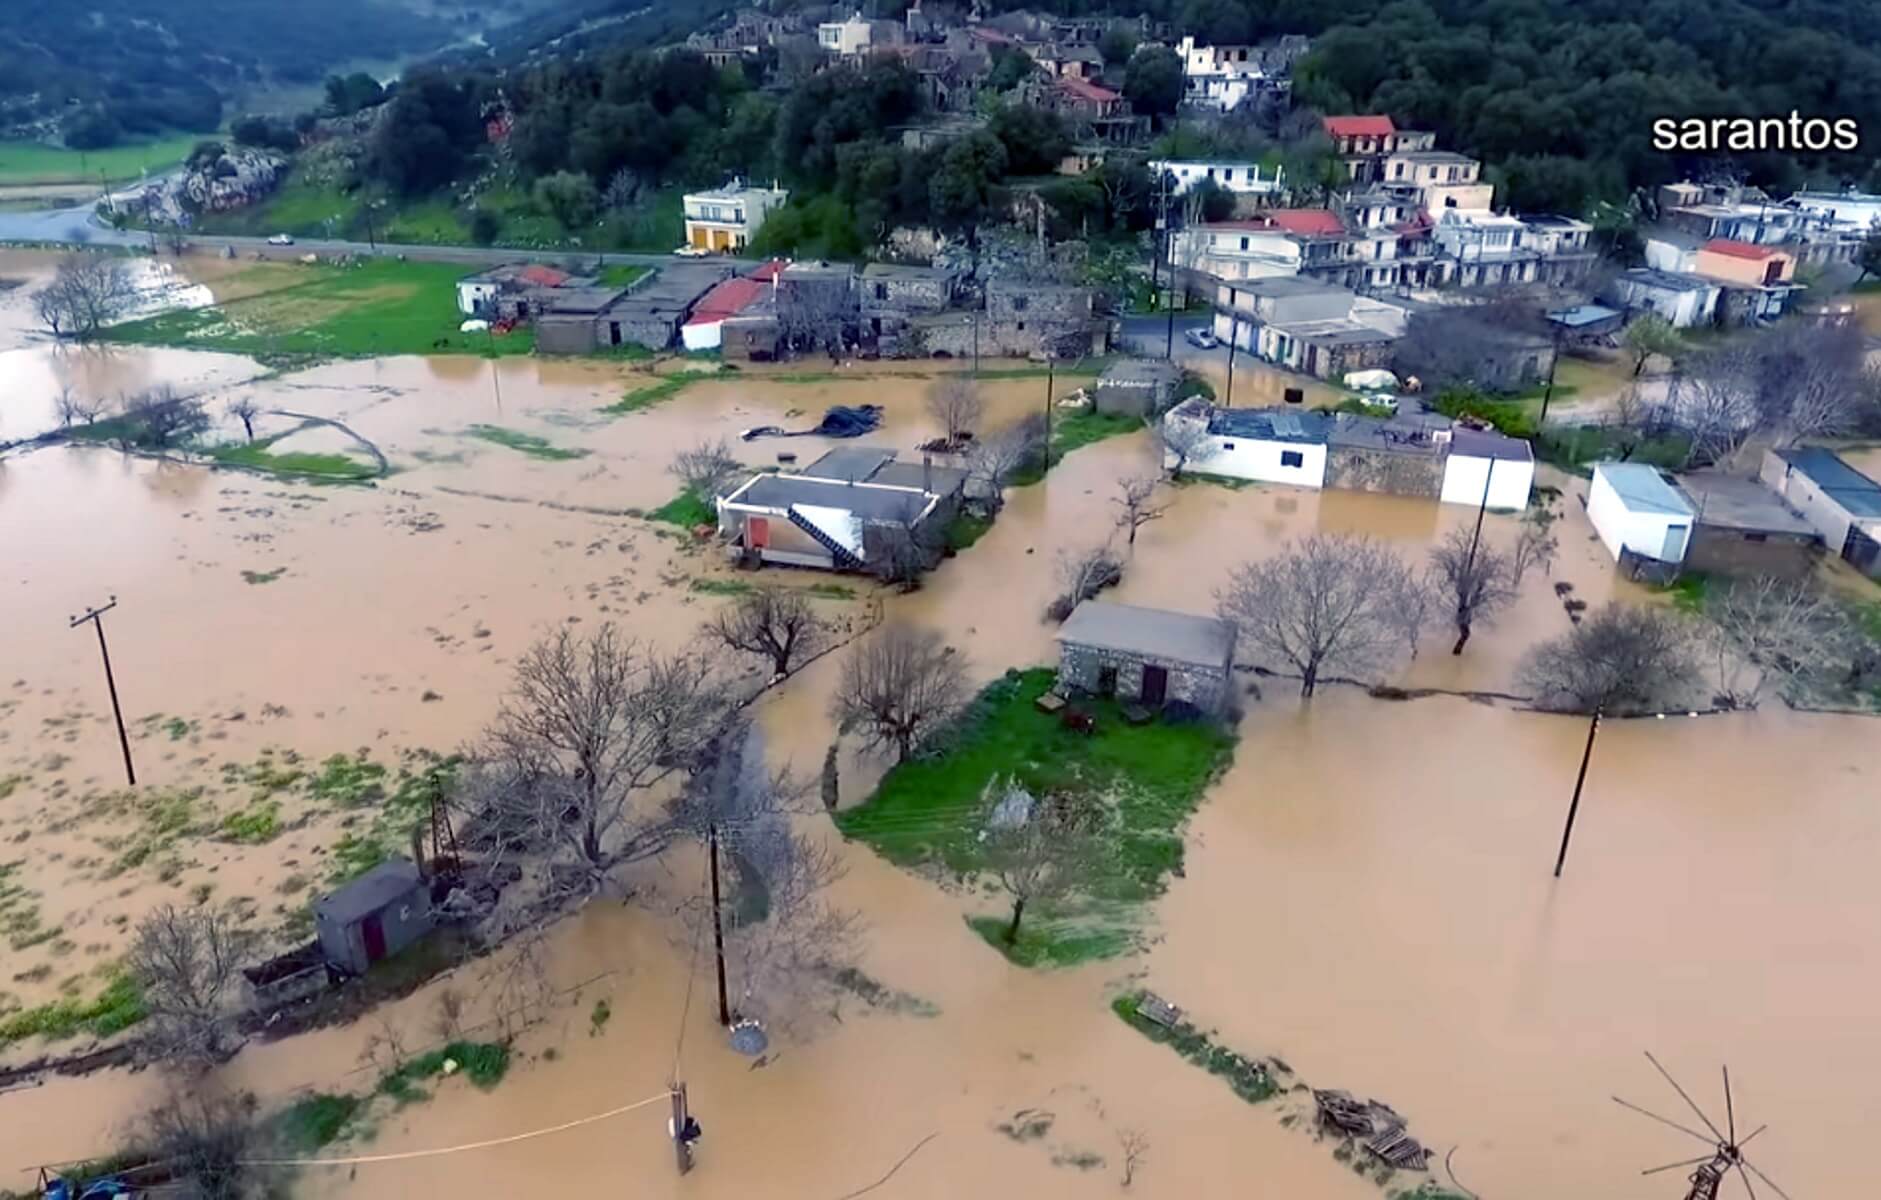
(1018, 304)
(1243, 243)
(1756, 537)
(881, 291)
(1227, 445)
(1292, 458)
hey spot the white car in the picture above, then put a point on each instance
(280, 239)
(1201, 339)
(691, 252)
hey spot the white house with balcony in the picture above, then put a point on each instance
(1439, 179)
(1221, 77)
(846, 38)
(727, 218)
(1240, 178)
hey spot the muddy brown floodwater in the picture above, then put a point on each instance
(1367, 892)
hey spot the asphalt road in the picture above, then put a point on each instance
(75, 226)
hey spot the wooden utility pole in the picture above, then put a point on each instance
(1593, 727)
(1469, 562)
(96, 617)
(1547, 393)
(1234, 331)
(682, 1145)
(1051, 365)
(718, 931)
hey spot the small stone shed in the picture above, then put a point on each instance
(375, 916)
(1148, 655)
(1137, 387)
(1741, 528)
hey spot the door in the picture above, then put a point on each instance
(757, 533)
(613, 333)
(1861, 550)
(373, 930)
(1675, 536)
(1155, 685)
(1106, 681)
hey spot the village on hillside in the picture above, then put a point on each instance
(933, 599)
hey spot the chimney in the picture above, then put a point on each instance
(927, 473)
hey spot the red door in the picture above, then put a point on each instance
(757, 532)
(374, 933)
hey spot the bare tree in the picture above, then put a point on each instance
(1648, 335)
(1623, 659)
(1327, 603)
(1046, 856)
(816, 310)
(992, 462)
(67, 405)
(1770, 632)
(159, 419)
(590, 726)
(901, 552)
(1477, 582)
(1715, 407)
(245, 410)
(1136, 498)
(87, 291)
(206, 1137)
(706, 469)
(1083, 573)
(1134, 1144)
(622, 191)
(955, 404)
(773, 623)
(898, 687)
(185, 963)
(1184, 441)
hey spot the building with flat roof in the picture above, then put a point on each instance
(1839, 502)
(726, 219)
(1639, 512)
(1741, 527)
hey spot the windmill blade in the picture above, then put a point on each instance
(1753, 1133)
(1746, 1179)
(1688, 1100)
(1759, 1174)
(1690, 1162)
(1663, 1121)
(1730, 1113)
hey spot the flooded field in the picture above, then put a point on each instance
(1366, 895)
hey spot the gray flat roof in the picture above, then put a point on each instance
(876, 270)
(1671, 281)
(1135, 371)
(1371, 433)
(1284, 285)
(1848, 487)
(370, 892)
(1729, 502)
(870, 502)
(1475, 443)
(1582, 314)
(1158, 632)
(936, 479)
(851, 463)
(1270, 424)
(1643, 489)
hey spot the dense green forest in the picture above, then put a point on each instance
(109, 70)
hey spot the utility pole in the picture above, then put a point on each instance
(718, 931)
(1469, 562)
(96, 617)
(1574, 806)
(1051, 365)
(1547, 393)
(976, 345)
(1234, 331)
(682, 1145)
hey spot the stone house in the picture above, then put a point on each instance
(1147, 656)
(650, 314)
(891, 295)
(1401, 456)
(816, 305)
(1027, 317)
(1739, 527)
(1138, 387)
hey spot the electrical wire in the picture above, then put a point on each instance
(443, 1150)
(692, 973)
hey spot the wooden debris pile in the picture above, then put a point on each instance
(1376, 1124)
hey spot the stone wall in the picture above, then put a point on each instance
(1081, 667)
(1363, 469)
(1731, 552)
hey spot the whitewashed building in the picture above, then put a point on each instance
(1683, 300)
(1487, 468)
(1221, 77)
(1269, 445)
(728, 218)
(1241, 178)
(1635, 510)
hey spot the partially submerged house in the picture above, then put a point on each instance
(375, 916)
(649, 313)
(1137, 387)
(733, 298)
(1487, 469)
(1639, 514)
(1740, 527)
(854, 509)
(1271, 445)
(1147, 656)
(1839, 502)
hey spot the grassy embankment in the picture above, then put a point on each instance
(28, 163)
(375, 308)
(930, 811)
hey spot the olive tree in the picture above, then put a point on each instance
(1624, 659)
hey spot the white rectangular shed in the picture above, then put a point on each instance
(1488, 468)
(1634, 508)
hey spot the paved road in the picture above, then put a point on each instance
(1149, 336)
(74, 225)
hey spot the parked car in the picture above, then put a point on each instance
(280, 239)
(692, 252)
(1202, 339)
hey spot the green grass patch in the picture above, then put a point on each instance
(1688, 591)
(665, 388)
(723, 587)
(832, 591)
(1073, 431)
(686, 511)
(37, 163)
(931, 810)
(358, 783)
(526, 443)
(377, 307)
(315, 1121)
(1576, 449)
(257, 824)
(622, 275)
(483, 1063)
(1047, 942)
(1515, 416)
(117, 1008)
(263, 576)
(1251, 1079)
(965, 529)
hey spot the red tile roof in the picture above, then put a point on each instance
(728, 299)
(1085, 90)
(1307, 220)
(543, 276)
(770, 270)
(1360, 126)
(993, 36)
(1731, 249)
